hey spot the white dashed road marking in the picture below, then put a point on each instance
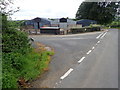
(98, 42)
(89, 51)
(99, 36)
(93, 48)
(67, 73)
(103, 35)
(70, 70)
(81, 59)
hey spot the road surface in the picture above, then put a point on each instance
(81, 61)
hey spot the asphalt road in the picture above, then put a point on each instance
(81, 61)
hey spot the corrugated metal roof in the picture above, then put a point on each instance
(86, 22)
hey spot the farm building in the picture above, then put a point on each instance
(36, 23)
(63, 23)
(50, 30)
(85, 22)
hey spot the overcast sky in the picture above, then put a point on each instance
(30, 9)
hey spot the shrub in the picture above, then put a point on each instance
(9, 80)
(15, 41)
(15, 45)
(77, 30)
(115, 24)
(10, 71)
(18, 58)
(85, 29)
(29, 66)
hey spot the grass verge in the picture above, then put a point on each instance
(28, 67)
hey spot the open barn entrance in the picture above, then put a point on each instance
(38, 25)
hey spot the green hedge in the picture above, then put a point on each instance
(15, 41)
(84, 29)
(29, 66)
(114, 24)
(18, 58)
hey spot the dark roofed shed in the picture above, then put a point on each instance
(86, 22)
(38, 22)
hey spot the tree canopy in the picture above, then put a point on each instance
(102, 12)
(6, 7)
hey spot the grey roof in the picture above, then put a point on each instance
(86, 22)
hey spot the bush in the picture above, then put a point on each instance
(15, 45)
(9, 80)
(19, 60)
(85, 29)
(115, 24)
(15, 41)
(29, 66)
(10, 70)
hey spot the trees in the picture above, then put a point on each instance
(5, 7)
(103, 12)
(5, 11)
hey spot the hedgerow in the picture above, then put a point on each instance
(19, 59)
(90, 28)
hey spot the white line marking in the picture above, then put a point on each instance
(99, 36)
(103, 35)
(81, 59)
(53, 87)
(93, 47)
(98, 42)
(56, 83)
(67, 73)
(89, 51)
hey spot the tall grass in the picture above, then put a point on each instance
(29, 67)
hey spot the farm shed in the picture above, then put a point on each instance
(63, 23)
(50, 30)
(36, 23)
(86, 22)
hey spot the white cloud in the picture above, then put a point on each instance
(46, 8)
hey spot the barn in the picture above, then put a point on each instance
(36, 23)
(50, 30)
(86, 22)
(63, 23)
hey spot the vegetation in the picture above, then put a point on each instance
(19, 60)
(16, 24)
(102, 12)
(114, 24)
(28, 67)
(90, 28)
